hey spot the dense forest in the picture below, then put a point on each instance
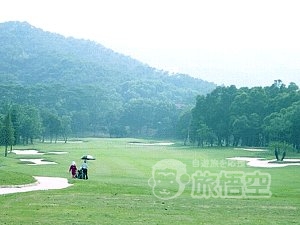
(255, 116)
(54, 87)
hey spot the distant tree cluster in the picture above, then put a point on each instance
(254, 116)
(55, 112)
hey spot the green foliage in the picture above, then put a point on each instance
(249, 117)
(282, 146)
(80, 88)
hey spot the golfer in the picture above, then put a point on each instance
(84, 168)
(73, 169)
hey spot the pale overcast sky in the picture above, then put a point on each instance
(240, 42)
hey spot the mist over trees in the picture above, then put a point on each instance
(54, 87)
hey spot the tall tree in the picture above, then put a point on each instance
(30, 124)
(8, 133)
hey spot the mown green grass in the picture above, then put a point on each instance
(117, 191)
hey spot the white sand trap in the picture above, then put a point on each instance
(261, 162)
(27, 152)
(70, 142)
(58, 153)
(43, 183)
(35, 152)
(73, 142)
(152, 144)
(252, 149)
(37, 161)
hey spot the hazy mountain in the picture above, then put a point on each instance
(29, 55)
(98, 89)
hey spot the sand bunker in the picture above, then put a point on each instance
(58, 153)
(37, 161)
(27, 152)
(261, 162)
(152, 144)
(252, 149)
(60, 141)
(35, 152)
(43, 183)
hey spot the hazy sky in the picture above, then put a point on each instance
(241, 42)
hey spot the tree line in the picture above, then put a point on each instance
(52, 112)
(256, 116)
(227, 116)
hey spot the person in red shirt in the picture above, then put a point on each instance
(73, 169)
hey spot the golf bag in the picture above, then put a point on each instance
(79, 174)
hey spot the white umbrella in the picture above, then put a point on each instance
(88, 157)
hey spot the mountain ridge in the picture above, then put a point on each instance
(30, 43)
